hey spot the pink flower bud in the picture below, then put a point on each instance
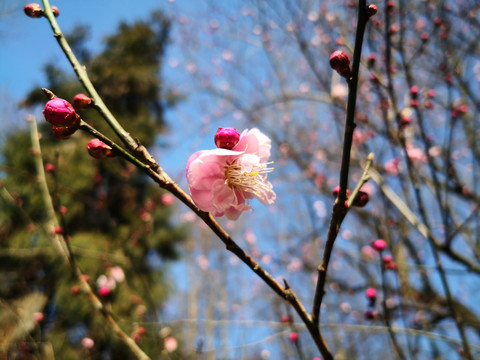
(55, 11)
(414, 91)
(361, 200)
(58, 230)
(98, 149)
(82, 101)
(49, 167)
(371, 293)
(379, 245)
(104, 291)
(226, 138)
(38, 317)
(33, 10)
(285, 319)
(340, 62)
(88, 343)
(167, 199)
(293, 337)
(60, 112)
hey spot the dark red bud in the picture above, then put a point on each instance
(361, 199)
(340, 62)
(371, 10)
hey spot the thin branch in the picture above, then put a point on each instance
(339, 210)
(69, 258)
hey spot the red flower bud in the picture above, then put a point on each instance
(58, 230)
(371, 10)
(370, 314)
(285, 319)
(414, 91)
(226, 138)
(60, 112)
(379, 245)
(104, 291)
(361, 199)
(293, 337)
(61, 133)
(340, 62)
(371, 293)
(82, 101)
(49, 167)
(74, 290)
(98, 149)
(33, 10)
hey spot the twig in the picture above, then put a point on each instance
(62, 244)
(339, 210)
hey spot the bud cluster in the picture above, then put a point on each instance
(35, 11)
(360, 200)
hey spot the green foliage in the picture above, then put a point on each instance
(116, 218)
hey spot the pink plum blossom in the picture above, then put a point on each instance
(222, 181)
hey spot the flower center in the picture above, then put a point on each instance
(252, 180)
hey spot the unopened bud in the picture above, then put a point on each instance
(82, 101)
(104, 291)
(340, 62)
(55, 11)
(293, 337)
(370, 314)
(414, 91)
(98, 149)
(379, 245)
(371, 10)
(49, 167)
(60, 112)
(371, 293)
(361, 199)
(226, 138)
(33, 10)
(61, 133)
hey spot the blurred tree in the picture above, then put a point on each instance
(118, 223)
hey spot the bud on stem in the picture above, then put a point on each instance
(340, 62)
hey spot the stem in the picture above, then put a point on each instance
(69, 258)
(339, 210)
(85, 80)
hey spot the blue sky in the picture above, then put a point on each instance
(27, 44)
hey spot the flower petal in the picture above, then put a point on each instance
(254, 142)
